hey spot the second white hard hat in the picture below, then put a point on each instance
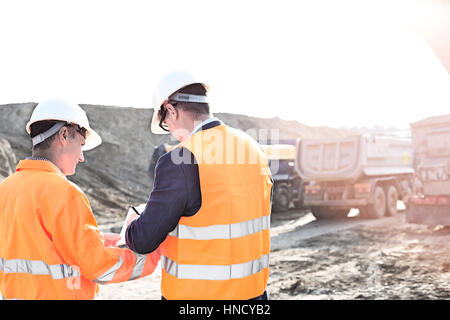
(56, 109)
(167, 86)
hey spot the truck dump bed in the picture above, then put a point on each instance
(431, 143)
(349, 158)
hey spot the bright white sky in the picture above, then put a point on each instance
(335, 63)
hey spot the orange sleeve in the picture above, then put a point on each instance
(80, 244)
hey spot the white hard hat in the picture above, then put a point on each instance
(55, 109)
(168, 85)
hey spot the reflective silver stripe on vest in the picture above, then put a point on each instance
(136, 273)
(36, 267)
(108, 275)
(214, 272)
(3, 298)
(139, 265)
(222, 231)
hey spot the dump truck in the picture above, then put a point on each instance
(287, 185)
(364, 171)
(431, 144)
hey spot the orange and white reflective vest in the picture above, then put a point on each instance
(50, 247)
(222, 252)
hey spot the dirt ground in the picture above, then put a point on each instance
(350, 258)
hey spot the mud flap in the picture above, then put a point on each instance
(428, 215)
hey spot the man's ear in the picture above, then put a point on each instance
(172, 110)
(63, 134)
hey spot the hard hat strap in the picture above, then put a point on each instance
(42, 136)
(185, 97)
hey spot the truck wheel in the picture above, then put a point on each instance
(377, 209)
(281, 199)
(320, 213)
(299, 205)
(391, 201)
(340, 214)
(326, 213)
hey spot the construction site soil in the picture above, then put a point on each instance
(350, 258)
(343, 259)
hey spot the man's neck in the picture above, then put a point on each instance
(185, 130)
(202, 118)
(43, 154)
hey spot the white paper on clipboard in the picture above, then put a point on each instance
(130, 214)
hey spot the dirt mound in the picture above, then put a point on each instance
(7, 159)
(288, 129)
(114, 174)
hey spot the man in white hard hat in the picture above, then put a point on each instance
(209, 212)
(56, 118)
(51, 247)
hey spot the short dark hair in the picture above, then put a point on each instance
(42, 126)
(195, 108)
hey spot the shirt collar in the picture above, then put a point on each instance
(43, 165)
(201, 124)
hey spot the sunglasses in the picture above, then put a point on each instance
(79, 129)
(162, 113)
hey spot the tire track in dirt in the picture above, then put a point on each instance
(358, 259)
(303, 225)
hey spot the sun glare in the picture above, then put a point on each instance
(346, 63)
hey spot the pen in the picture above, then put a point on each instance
(135, 210)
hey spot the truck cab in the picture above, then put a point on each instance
(431, 202)
(287, 184)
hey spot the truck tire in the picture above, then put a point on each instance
(281, 199)
(340, 214)
(299, 205)
(322, 213)
(391, 200)
(377, 209)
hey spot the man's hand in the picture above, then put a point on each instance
(111, 239)
(131, 217)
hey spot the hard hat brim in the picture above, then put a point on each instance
(93, 140)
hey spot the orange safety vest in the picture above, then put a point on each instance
(222, 252)
(50, 247)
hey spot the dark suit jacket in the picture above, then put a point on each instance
(176, 193)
